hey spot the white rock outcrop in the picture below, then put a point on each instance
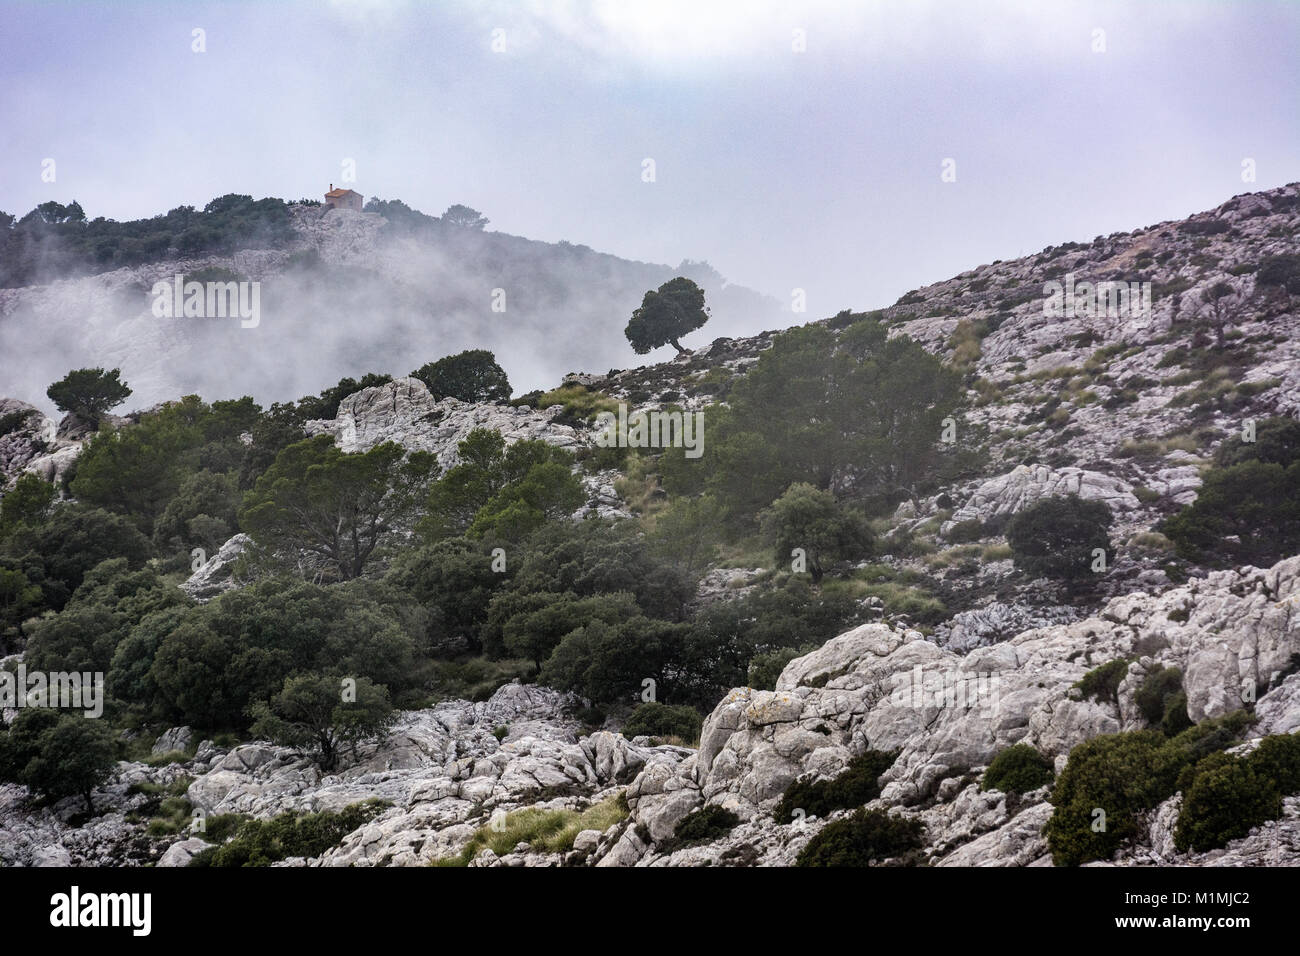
(1025, 484)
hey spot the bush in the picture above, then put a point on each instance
(1056, 537)
(810, 520)
(1018, 769)
(864, 838)
(471, 376)
(1107, 781)
(858, 784)
(1102, 683)
(1282, 271)
(263, 842)
(966, 531)
(765, 668)
(1226, 799)
(1123, 775)
(661, 720)
(704, 826)
(1277, 758)
(1158, 690)
(1246, 512)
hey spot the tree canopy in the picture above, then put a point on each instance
(338, 506)
(666, 315)
(471, 376)
(88, 393)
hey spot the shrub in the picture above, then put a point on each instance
(263, 842)
(966, 531)
(1018, 769)
(662, 720)
(765, 668)
(1246, 512)
(1107, 781)
(1112, 778)
(857, 784)
(1102, 683)
(809, 519)
(1277, 758)
(1056, 537)
(1226, 799)
(1282, 271)
(704, 826)
(866, 837)
(1175, 718)
(1159, 687)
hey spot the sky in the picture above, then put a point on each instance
(794, 145)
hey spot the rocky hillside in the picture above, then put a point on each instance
(446, 774)
(968, 715)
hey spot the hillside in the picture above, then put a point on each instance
(342, 293)
(944, 572)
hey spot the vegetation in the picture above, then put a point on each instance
(263, 842)
(1248, 507)
(1112, 778)
(317, 499)
(56, 241)
(547, 831)
(809, 520)
(1162, 701)
(865, 838)
(705, 825)
(660, 720)
(666, 315)
(1018, 769)
(856, 785)
(88, 393)
(1059, 537)
(325, 715)
(56, 754)
(1102, 683)
(471, 376)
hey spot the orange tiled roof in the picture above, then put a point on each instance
(336, 193)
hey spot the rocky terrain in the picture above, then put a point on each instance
(1124, 410)
(448, 770)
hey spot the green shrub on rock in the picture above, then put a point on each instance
(858, 784)
(705, 826)
(1018, 769)
(263, 842)
(1056, 538)
(1162, 701)
(1226, 800)
(1102, 683)
(1110, 779)
(866, 837)
(1277, 758)
(661, 720)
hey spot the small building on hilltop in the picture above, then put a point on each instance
(344, 199)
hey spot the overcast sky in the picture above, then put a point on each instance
(818, 169)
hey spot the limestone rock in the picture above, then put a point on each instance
(1026, 484)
